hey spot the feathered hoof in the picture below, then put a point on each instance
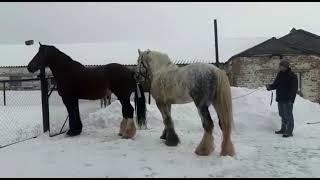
(164, 135)
(74, 132)
(171, 138)
(206, 146)
(171, 143)
(130, 130)
(123, 125)
(204, 150)
(227, 149)
(129, 133)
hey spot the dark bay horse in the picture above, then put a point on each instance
(75, 81)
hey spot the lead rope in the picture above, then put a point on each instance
(247, 94)
(136, 99)
(271, 98)
(149, 94)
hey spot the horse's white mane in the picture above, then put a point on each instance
(157, 61)
(158, 56)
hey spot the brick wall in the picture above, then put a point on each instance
(253, 72)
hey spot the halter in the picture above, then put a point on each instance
(141, 74)
(145, 76)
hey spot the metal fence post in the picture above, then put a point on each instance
(4, 94)
(44, 97)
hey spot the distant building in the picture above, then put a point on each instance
(258, 65)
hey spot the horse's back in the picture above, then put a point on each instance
(121, 78)
(192, 72)
(181, 85)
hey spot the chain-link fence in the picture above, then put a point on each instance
(21, 115)
(20, 110)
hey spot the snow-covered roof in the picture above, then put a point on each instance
(126, 52)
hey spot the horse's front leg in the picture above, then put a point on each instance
(75, 124)
(169, 133)
(127, 126)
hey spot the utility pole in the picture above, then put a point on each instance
(216, 42)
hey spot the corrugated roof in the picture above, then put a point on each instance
(303, 40)
(177, 61)
(296, 42)
(180, 61)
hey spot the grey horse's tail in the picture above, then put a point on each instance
(223, 101)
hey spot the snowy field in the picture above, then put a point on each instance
(100, 152)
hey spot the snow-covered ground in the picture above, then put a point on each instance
(100, 152)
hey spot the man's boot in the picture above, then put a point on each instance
(288, 133)
(282, 130)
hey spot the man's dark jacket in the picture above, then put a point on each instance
(286, 85)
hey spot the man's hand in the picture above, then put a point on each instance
(268, 87)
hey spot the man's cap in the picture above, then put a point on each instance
(285, 63)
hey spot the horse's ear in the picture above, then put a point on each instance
(139, 51)
(40, 44)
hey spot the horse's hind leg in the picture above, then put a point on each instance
(169, 133)
(227, 148)
(127, 126)
(206, 145)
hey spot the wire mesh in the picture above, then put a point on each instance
(20, 112)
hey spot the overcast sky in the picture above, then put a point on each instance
(74, 22)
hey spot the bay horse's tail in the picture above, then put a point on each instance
(140, 104)
(223, 101)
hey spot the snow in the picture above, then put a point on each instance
(100, 152)
(126, 52)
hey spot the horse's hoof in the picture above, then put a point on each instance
(74, 132)
(164, 135)
(227, 154)
(123, 125)
(171, 138)
(129, 133)
(227, 149)
(171, 143)
(204, 151)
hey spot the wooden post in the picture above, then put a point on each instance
(44, 97)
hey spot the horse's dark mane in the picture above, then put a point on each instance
(59, 56)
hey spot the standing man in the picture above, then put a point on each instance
(286, 85)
